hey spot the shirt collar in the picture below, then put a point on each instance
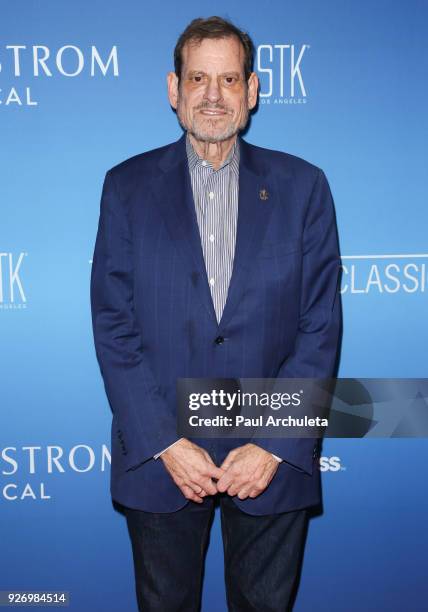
(194, 159)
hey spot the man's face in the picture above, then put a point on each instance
(212, 98)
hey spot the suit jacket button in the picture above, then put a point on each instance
(219, 340)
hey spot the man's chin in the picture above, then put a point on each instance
(212, 135)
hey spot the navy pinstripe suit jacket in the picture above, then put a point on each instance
(154, 320)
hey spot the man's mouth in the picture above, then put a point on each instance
(212, 112)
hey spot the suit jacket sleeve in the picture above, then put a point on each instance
(317, 339)
(145, 423)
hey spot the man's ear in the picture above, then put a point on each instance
(172, 83)
(253, 86)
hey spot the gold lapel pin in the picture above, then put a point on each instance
(263, 194)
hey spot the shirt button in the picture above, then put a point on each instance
(204, 163)
(219, 340)
(211, 237)
(211, 194)
(212, 282)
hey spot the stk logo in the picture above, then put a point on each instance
(11, 289)
(280, 70)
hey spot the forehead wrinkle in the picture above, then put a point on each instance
(215, 56)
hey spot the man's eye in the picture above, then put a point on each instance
(230, 80)
(197, 78)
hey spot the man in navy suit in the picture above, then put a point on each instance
(213, 258)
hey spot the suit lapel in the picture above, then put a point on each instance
(257, 198)
(172, 191)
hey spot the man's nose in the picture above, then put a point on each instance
(213, 91)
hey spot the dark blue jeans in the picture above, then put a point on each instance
(262, 556)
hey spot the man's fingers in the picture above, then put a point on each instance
(189, 494)
(208, 486)
(202, 476)
(257, 488)
(197, 488)
(214, 472)
(244, 492)
(232, 490)
(204, 485)
(225, 481)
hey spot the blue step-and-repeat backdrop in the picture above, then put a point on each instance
(82, 87)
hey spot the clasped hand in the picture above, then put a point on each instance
(246, 471)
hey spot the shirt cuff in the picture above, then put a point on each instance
(277, 458)
(165, 449)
